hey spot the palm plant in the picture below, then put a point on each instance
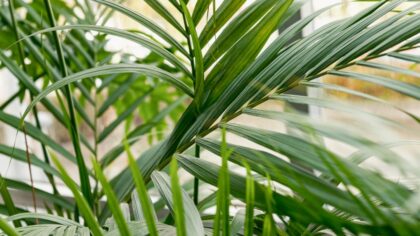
(288, 182)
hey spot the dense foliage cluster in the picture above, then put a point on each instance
(186, 97)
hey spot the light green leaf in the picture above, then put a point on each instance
(111, 200)
(191, 217)
(145, 207)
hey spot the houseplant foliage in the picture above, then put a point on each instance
(292, 184)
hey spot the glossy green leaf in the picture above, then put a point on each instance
(223, 13)
(190, 217)
(111, 200)
(7, 229)
(82, 203)
(147, 211)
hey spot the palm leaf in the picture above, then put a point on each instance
(190, 217)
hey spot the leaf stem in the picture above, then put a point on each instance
(72, 126)
(28, 159)
(190, 48)
(196, 180)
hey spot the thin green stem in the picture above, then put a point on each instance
(96, 141)
(95, 148)
(191, 57)
(196, 180)
(28, 159)
(190, 48)
(72, 126)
